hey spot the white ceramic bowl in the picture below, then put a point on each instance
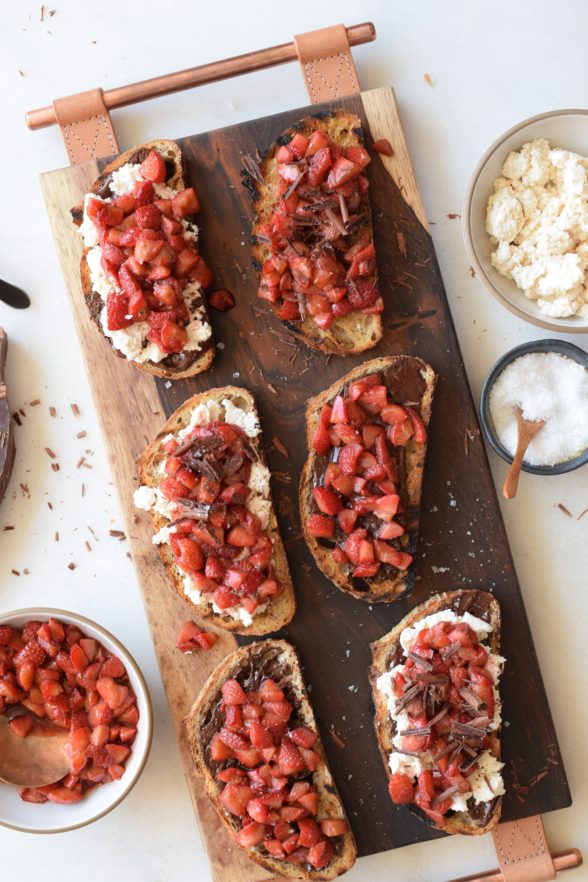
(51, 818)
(567, 129)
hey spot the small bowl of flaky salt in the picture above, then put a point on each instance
(547, 380)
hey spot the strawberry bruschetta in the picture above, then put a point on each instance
(142, 276)
(312, 234)
(255, 741)
(435, 680)
(360, 488)
(206, 484)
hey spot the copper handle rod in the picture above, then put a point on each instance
(199, 76)
(562, 860)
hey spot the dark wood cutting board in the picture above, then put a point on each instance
(463, 542)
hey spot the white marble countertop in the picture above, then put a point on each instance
(492, 65)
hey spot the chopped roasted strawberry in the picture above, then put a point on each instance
(153, 168)
(185, 203)
(222, 300)
(401, 433)
(401, 789)
(320, 526)
(290, 759)
(327, 501)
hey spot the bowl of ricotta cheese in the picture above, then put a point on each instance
(525, 220)
(548, 380)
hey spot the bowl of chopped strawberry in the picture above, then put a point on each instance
(62, 672)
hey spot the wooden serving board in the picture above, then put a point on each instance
(463, 542)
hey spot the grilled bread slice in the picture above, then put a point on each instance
(409, 380)
(280, 609)
(388, 652)
(178, 365)
(347, 334)
(250, 665)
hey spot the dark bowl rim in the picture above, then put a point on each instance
(561, 347)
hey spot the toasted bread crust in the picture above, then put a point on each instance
(387, 590)
(172, 155)
(330, 804)
(382, 653)
(281, 609)
(349, 334)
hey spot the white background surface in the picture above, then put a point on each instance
(492, 65)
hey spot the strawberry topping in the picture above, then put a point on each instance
(447, 692)
(143, 243)
(71, 681)
(321, 261)
(217, 541)
(358, 499)
(263, 762)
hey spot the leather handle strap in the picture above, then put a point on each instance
(523, 852)
(86, 126)
(327, 64)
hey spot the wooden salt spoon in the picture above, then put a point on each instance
(35, 760)
(527, 429)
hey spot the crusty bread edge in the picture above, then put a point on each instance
(279, 611)
(177, 181)
(263, 202)
(384, 725)
(329, 800)
(391, 589)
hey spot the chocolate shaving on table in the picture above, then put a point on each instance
(418, 660)
(445, 794)
(252, 167)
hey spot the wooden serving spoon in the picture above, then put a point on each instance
(33, 761)
(527, 429)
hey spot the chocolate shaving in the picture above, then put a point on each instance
(280, 446)
(419, 661)
(252, 168)
(233, 464)
(447, 749)
(408, 696)
(293, 185)
(206, 466)
(463, 729)
(420, 730)
(445, 794)
(470, 698)
(450, 650)
(343, 207)
(565, 510)
(488, 784)
(205, 445)
(406, 752)
(433, 678)
(334, 220)
(439, 715)
(469, 762)
(336, 739)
